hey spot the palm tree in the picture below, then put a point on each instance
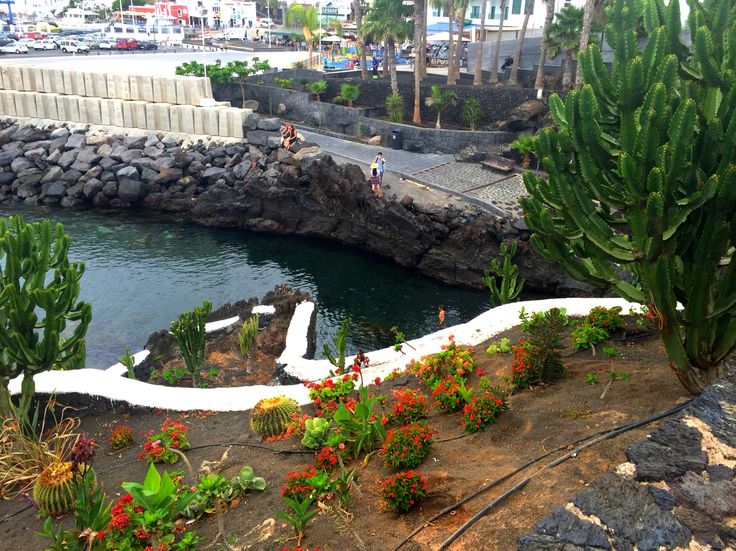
(440, 99)
(386, 20)
(358, 12)
(462, 5)
(563, 36)
(420, 29)
(306, 18)
(585, 33)
(449, 7)
(478, 76)
(514, 76)
(539, 81)
(494, 60)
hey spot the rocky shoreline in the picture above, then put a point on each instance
(254, 185)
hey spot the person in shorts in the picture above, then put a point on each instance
(376, 181)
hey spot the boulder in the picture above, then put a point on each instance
(311, 150)
(212, 174)
(136, 140)
(19, 164)
(6, 178)
(131, 191)
(57, 145)
(26, 190)
(281, 109)
(110, 190)
(270, 124)
(88, 155)
(67, 158)
(70, 202)
(274, 142)
(148, 175)
(251, 121)
(59, 133)
(72, 176)
(35, 154)
(29, 176)
(130, 154)
(118, 151)
(75, 190)
(168, 175)
(29, 134)
(6, 157)
(165, 161)
(251, 104)
(152, 152)
(52, 174)
(375, 140)
(128, 172)
(80, 166)
(95, 139)
(104, 150)
(53, 157)
(75, 141)
(55, 190)
(91, 187)
(170, 141)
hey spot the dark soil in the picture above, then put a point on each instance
(539, 420)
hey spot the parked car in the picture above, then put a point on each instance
(90, 41)
(28, 42)
(5, 40)
(147, 45)
(126, 43)
(45, 44)
(14, 48)
(73, 47)
(34, 35)
(107, 44)
(266, 23)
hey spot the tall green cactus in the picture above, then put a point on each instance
(39, 291)
(642, 177)
(189, 333)
(247, 340)
(508, 272)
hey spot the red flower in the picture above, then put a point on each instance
(100, 534)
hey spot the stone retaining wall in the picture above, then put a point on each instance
(255, 185)
(678, 490)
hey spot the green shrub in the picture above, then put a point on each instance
(395, 107)
(188, 331)
(318, 88)
(348, 93)
(472, 113)
(285, 83)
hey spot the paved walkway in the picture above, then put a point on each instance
(498, 193)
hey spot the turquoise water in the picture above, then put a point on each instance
(142, 272)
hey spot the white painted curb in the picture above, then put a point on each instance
(109, 384)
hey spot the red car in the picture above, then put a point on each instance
(35, 35)
(126, 43)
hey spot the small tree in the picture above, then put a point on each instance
(247, 340)
(642, 177)
(318, 88)
(440, 99)
(39, 292)
(395, 107)
(525, 146)
(239, 71)
(348, 93)
(472, 113)
(190, 68)
(189, 333)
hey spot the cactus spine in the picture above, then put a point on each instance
(642, 177)
(271, 415)
(55, 491)
(35, 308)
(189, 333)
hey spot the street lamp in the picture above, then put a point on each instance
(268, 11)
(202, 13)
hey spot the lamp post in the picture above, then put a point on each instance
(202, 13)
(319, 22)
(268, 12)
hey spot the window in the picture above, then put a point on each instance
(475, 12)
(178, 13)
(516, 7)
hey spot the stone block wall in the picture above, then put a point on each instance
(170, 104)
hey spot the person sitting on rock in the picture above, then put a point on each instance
(288, 135)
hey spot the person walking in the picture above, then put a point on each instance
(380, 162)
(376, 181)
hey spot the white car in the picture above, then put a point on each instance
(73, 47)
(107, 44)
(27, 42)
(266, 23)
(45, 44)
(14, 48)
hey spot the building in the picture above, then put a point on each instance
(178, 12)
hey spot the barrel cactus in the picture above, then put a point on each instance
(271, 415)
(55, 490)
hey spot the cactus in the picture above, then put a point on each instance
(128, 361)
(642, 177)
(247, 340)
(188, 332)
(55, 490)
(511, 286)
(39, 291)
(271, 415)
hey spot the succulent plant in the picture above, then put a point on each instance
(316, 432)
(271, 415)
(55, 491)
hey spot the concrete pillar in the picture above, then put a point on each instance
(27, 79)
(112, 91)
(235, 118)
(20, 109)
(7, 103)
(199, 121)
(13, 77)
(50, 107)
(111, 112)
(53, 80)
(78, 83)
(61, 108)
(92, 110)
(71, 107)
(141, 87)
(122, 86)
(134, 114)
(182, 90)
(68, 84)
(40, 107)
(158, 116)
(182, 119)
(96, 85)
(212, 121)
(207, 88)
(29, 104)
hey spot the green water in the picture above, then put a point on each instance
(143, 272)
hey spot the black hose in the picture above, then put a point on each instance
(257, 446)
(601, 437)
(529, 463)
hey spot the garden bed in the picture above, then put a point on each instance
(538, 420)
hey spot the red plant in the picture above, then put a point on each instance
(296, 485)
(410, 406)
(452, 361)
(327, 394)
(447, 396)
(403, 490)
(521, 367)
(121, 437)
(480, 412)
(159, 445)
(407, 446)
(82, 453)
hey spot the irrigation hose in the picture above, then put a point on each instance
(622, 428)
(606, 436)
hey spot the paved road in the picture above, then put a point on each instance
(498, 193)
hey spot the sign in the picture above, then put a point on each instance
(330, 11)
